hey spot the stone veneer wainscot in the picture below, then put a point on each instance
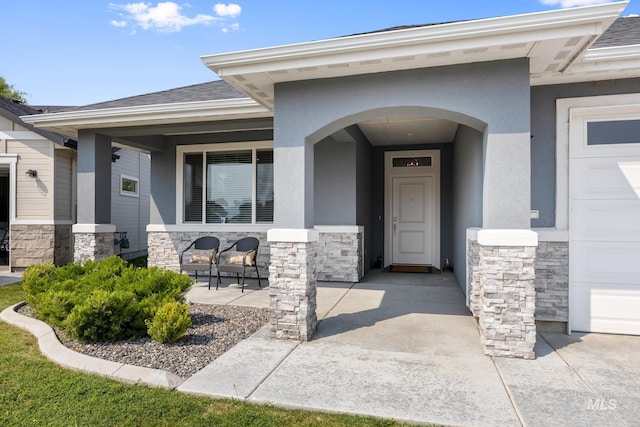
(339, 250)
(40, 244)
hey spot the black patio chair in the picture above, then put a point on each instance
(204, 255)
(244, 255)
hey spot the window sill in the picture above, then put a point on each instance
(210, 228)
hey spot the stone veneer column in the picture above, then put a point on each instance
(340, 253)
(507, 292)
(93, 241)
(292, 283)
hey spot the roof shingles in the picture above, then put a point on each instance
(209, 91)
(623, 32)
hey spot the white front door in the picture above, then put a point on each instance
(412, 218)
(604, 223)
(412, 207)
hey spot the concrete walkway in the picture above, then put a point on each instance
(404, 346)
(400, 346)
(7, 277)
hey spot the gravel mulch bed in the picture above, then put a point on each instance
(214, 330)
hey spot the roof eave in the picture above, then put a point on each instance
(186, 112)
(256, 71)
(606, 63)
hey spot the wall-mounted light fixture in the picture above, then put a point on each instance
(123, 241)
(32, 173)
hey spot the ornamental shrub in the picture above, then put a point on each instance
(55, 306)
(105, 316)
(170, 322)
(36, 280)
(101, 300)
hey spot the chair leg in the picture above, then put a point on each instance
(243, 279)
(217, 279)
(258, 274)
(209, 276)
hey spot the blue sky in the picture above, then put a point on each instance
(78, 52)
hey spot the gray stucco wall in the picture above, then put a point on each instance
(543, 143)
(364, 153)
(342, 183)
(335, 182)
(492, 96)
(467, 191)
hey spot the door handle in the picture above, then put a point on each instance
(394, 228)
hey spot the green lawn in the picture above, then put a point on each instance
(36, 392)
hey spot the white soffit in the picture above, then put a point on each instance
(552, 40)
(606, 63)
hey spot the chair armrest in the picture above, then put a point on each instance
(244, 257)
(182, 253)
(227, 249)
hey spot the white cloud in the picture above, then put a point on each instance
(574, 3)
(231, 10)
(118, 23)
(233, 27)
(163, 17)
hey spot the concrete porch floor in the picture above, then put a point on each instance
(404, 346)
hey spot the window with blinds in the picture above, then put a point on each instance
(238, 186)
(229, 187)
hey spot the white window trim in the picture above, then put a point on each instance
(12, 161)
(130, 193)
(571, 113)
(181, 150)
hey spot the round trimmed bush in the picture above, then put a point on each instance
(170, 322)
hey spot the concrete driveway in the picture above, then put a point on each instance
(404, 346)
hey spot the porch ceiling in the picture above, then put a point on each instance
(407, 130)
(553, 41)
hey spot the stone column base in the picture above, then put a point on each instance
(507, 292)
(292, 283)
(93, 241)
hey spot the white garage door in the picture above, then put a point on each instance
(604, 227)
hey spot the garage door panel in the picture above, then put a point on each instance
(600, 262)
(604, 226)
(607, 308)
(613, 220)
(605, 178)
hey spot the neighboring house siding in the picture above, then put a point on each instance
(34, 200)
(6, 124)
(131, 214)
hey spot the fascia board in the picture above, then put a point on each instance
(146, 114)
(614, 53)
(536, 25)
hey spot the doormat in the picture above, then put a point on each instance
(396, 268)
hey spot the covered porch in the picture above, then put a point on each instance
(279, 117)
